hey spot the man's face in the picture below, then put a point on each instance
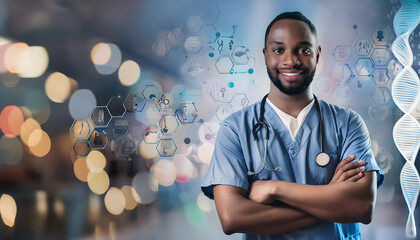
(291, 55)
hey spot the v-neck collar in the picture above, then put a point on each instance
(288, 120)
(274, 122)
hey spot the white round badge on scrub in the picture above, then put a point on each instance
(322, 159)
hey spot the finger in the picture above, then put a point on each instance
(352, 165)
(351, 173)
(344, 162)
(355, 177)
(344, 166)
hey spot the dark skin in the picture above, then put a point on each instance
(291, 55)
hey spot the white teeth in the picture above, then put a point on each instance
(290, 74)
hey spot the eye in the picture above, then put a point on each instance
(278, 50)
(305, 51)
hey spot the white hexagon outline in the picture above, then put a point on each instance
(100, 126)
(176, 113)
(151, 86)
(71, 129)
(165, 110)
(376, 90)
(159, 133)
(125, 109)
(382, 65)
(341, 64)
(138, 95)
(199, 49)
(233, 58)
(218, 60)
(164, 139)
(89, 147)
(106, 133)
(218, 108)
(364, 58)
(177, 124)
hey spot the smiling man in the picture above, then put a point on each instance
(293, 166)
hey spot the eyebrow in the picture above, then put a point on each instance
(300, 43)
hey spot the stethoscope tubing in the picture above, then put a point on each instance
(262, 124)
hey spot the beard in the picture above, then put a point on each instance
(291, 90)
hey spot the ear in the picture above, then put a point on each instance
(318, 53)
(264, 51)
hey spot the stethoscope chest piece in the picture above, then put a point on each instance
(322, 159)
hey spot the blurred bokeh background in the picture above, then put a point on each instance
(109, 109)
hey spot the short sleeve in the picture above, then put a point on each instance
(357, 141)
(227, 165)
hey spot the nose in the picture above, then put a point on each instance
(290, 59)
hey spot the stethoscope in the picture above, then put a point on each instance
(322, 159)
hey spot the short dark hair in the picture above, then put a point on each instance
(291, 15)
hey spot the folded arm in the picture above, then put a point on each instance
(237, 213)
(340, 202)
(241, 211)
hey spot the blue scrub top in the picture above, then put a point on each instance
(236, 153)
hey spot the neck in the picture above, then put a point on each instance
(290, 104)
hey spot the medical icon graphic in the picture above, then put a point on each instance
(124, 148)
(80, 129)
(193, 44)
(394, 68)
(99, 138)
(381, 95)
(166, 147)
(218, 92)
(100, 116)
(363, 47)
(120, 127)
(193, 70)
(151, 134)
(165, 102)
(380, 76)
(168, 124)
(151, 92)
(225, 45)
(187, 112)
(134, 103)
(342, 53)
(364, 66)
(239, 101)
(405, 92)
(240, 55)
(381, 56)
(224, 110)
(380, 36)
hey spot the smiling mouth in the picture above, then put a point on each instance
(290, 74)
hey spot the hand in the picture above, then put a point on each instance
(348, 171)
(260, 192)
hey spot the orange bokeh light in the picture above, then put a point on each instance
(11, 120)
